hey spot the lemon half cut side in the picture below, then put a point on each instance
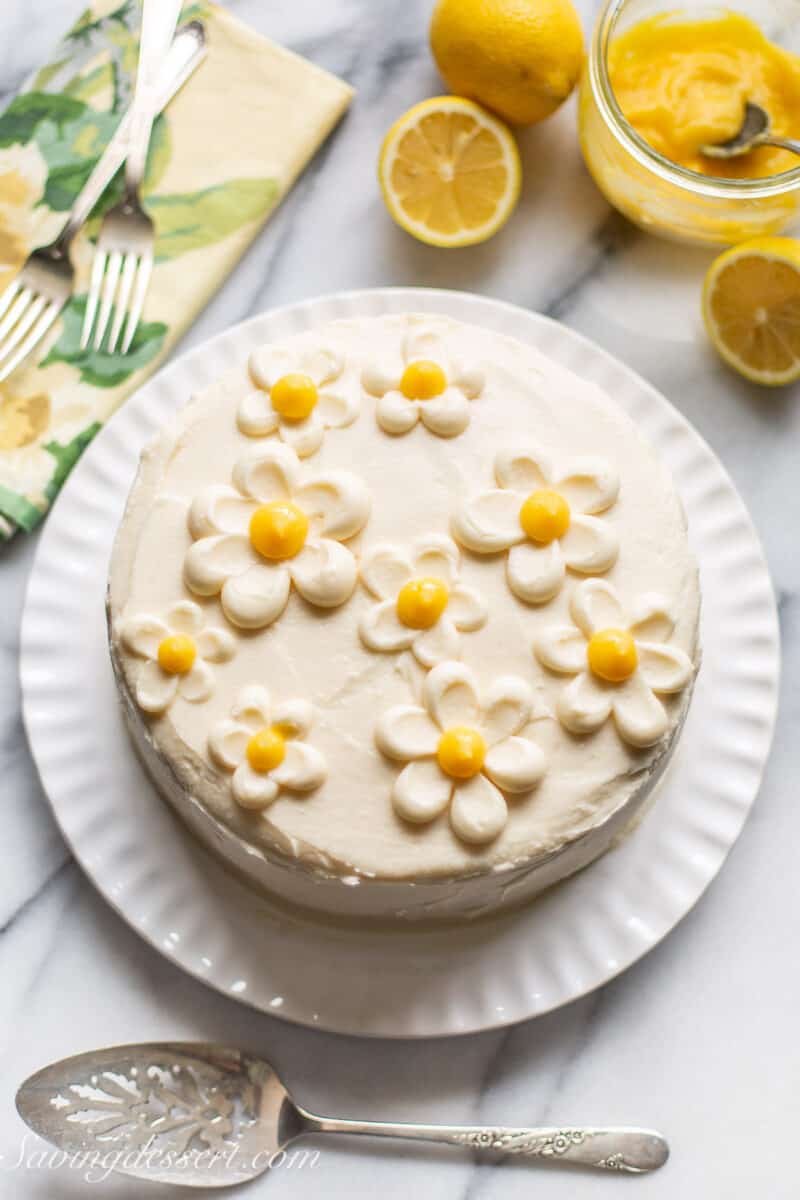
(449, 172)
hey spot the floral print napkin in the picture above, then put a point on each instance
(222, 156)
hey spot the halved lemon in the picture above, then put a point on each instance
(449, 172)
(751, 307)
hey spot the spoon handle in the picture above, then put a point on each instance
(782, 143)
(608, 1149)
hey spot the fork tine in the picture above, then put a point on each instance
(129, 265)
(107, 301)
(34, 310)
(95, 284)
(142, 281)
(9, 293)
(15, 312)
(34, 337)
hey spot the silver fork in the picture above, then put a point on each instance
(123, 260)
(35, 297)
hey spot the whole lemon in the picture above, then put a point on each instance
(520, 58)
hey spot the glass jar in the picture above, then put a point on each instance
(657, 194)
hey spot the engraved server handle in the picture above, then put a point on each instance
(608, 1149)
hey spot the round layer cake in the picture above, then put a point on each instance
(404, 618)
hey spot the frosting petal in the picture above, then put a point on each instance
(524, 469)
(471, 380)
(395, 414)
(507, 708)
(267, 471)
(303, 768)
(253, 789)
(450, 695)
(266, 365)
(324, 573)
(437, 555)
(381, 628)
(142, 634)
(185, 617)
(437, 644)
(323, 364)
(255, 416)
(213, 560)
(489, 522)
(337, 502)
(446, 415)
(478, 812)
(664, 668)
(155, 690)
(218, 509)
(652, 619)
(583, 705)
(215, 644)
(294, 717)
(384, 570)
(377, 381)
(421, 792)
(337, 409)
(535, 573)
(589, 485)
(516, 764)
(425, 341)
(227, 743)
(305, 437)
(589, 545)
(198, 684)
(595, 604)
(561, 648)
(253, 706)
(256, 597)
(406, 732)
(466, 608)
(639, 716)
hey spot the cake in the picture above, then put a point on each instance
(404, 619)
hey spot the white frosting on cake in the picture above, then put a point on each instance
(310, 653)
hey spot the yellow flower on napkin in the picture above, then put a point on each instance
(223, 155)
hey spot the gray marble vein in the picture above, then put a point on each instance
(699, 1038)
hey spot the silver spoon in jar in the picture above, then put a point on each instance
(212, 1116)
(754, 131)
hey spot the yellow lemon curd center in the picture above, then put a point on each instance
(545, 516)
(294, 396)
(612, 655)
(176, 654)
(461, 752)
(422, 380)
(683, 83)
(421, 602)
(266, 749)
(278, 530)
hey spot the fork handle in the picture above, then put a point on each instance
(159, 19)
(607, 1149)
(185, 54)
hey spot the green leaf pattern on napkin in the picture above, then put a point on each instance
(51, 136)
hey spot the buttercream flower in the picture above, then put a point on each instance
(262, 745)
(422, 603)
(462, 754)
(540, 512)
(426, 386)
(276, 526)
(177, 652)
(620, 661)
(296, 397)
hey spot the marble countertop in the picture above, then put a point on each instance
(699, 1038)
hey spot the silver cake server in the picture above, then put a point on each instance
(199, 1115)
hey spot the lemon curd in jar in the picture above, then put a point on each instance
(658, 89)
